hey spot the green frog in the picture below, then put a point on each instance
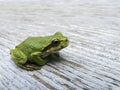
(32, 52)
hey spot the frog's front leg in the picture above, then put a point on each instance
(56, 54)
(37, 59)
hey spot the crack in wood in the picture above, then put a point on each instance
(43, 82)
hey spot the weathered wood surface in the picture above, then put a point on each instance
(92, 60)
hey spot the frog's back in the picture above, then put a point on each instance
(31, 44)
(34, 44)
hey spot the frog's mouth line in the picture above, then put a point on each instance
(58, 49)
(50, 46)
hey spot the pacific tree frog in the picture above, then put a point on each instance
(31, 53)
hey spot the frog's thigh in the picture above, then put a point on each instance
(18, 56)
(35, 54)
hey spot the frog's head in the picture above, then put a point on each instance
(56, 42)
(59, 41)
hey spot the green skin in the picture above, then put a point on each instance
(31, 53)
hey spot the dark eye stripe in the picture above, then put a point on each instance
(51, 45)
(47, 48)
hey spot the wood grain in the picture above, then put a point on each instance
(92, 60)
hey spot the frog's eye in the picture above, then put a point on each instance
(55, 42)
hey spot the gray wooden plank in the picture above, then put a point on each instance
(90, 62)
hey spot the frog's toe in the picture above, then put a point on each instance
(33, 66)
(29, 67)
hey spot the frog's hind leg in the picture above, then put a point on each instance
(18, 56)
(21, 60)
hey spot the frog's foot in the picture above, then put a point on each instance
(56, 54)
(29, 67)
